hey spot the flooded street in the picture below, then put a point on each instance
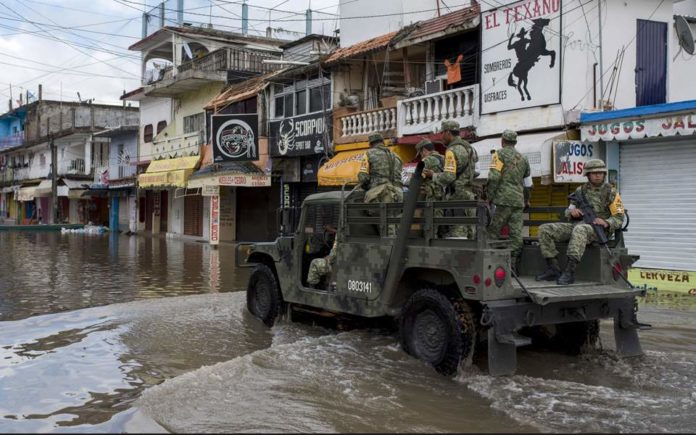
(91, 341)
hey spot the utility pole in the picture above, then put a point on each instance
(54, 179)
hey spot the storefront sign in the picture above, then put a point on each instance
(235, 137)
(300, 135)
(664, 280)
(682, 125)
(208, 190)
(521, 56)
(569, 158)
(214, 220)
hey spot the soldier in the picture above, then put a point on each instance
(458, 174)
(380, 174)
(320, 267)
(509, 185)
(435, 162)
(609, 209)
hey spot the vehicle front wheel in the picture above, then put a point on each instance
(437, 330)
(264, 300)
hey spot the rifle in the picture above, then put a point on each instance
(589, 216)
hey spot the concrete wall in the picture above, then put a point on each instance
(152, 111)
(176, 214)
(130, 149)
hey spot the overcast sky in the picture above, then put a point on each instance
(82, 45)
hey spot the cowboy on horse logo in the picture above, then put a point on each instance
(528, 50)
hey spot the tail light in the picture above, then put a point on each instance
(617, 271)
(476, 279)
(499, 275)
(488, 282)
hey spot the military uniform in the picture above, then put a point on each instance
(508, 177)
(457, 177)
(320, 267)
(435, 162)
(607, 205)
(380, 174)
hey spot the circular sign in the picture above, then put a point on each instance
(235, 139)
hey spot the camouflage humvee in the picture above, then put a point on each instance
(446, 294)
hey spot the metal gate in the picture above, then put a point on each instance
(657, 191)
(193, 215)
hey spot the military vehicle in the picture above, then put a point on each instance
(448, 296)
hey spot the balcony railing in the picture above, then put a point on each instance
(425, 113)
(12, 140)
(225, 59)
(72, 167)
(359, 125)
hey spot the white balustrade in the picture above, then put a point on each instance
(367, 122)
(425, 113)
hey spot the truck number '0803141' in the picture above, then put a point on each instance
(359, 286)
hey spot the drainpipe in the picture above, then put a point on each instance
(308, 22)
(180, 12)
(245, 18)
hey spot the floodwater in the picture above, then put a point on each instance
(90, 343)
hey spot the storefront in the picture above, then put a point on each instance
(652, 153)
(166, 203)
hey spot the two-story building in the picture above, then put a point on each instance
(189, 66)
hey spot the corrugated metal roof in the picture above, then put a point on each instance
(453, 22)
(360, 48)
(240, 91)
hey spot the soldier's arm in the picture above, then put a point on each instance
(398, 170)
(572, 206)
(527, 183)
(364, 172)
(616, 209)
(494, 174)
(449, 173)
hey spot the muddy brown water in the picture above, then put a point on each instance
(130, 334)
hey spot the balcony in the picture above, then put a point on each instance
(357, 126)
(12, 141)
(424, 114)
(212, 67)
(186, 144)
(72, 167)
(7, 176)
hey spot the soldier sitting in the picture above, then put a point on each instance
(320, 268)
(608, 207)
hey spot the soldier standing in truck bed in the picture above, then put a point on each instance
(509, 186)
(458, 175)
(609, 209)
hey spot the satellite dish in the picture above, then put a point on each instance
(684, 33)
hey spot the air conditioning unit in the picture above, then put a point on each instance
(434, 86)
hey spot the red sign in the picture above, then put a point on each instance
(214, 220)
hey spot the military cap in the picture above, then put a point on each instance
(375, 137)
(509, 136)
(594, 165)
(450, 125)
(422, 143)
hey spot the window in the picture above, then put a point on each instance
(288, 105)
(161, 126)
(301, 102)
(194, 123)
(279, 107)
(315, 94)
(147, 133)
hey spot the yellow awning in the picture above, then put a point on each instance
(168, 172)
(344, 166)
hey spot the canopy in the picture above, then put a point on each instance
(43, 189)
(239, 174)
(168, 173)
(343, 167)
(26, 194)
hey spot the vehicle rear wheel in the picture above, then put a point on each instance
(438, 331)
(263, 295)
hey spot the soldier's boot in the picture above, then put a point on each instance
(568, 276)
(552, 272)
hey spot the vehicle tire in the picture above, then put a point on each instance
(437, 330)
(574, 337)
(264, 300)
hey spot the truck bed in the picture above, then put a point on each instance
(546, 292)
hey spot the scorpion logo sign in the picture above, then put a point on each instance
(286, 142)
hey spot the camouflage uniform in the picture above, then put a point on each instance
(458, 176)
(607, 205)
(380, 174)
(508, 174)
(435, 162)
(320, 267)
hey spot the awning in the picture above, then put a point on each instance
(239, 174)
(26, 194)
(43, 190)
(76, 184)
(11, 189)
(536, 147)
(168, 172)
(343, 167)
